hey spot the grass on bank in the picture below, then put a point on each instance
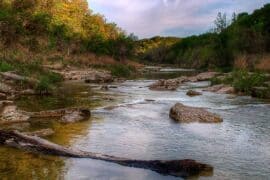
(46, 80)
(242, 80)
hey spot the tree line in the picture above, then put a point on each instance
(65, 25)
(245, 35)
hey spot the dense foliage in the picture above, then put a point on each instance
(155, 49)
(244, 35)
(65, 25)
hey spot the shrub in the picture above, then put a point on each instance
(47, 82)
(4, 67)
(243, 81)
(121, 70)
(44, 86)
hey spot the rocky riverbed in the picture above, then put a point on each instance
(132, 121)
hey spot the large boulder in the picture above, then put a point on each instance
(186, 114)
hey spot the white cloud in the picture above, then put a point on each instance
(147, 18)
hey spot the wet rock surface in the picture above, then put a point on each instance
(186, 114)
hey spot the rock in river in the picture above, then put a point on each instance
(192, 93)
(186, 114)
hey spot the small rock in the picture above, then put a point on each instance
(75, 116)
(193, 93)
(104, 88)
(149, 100)
(186, 114)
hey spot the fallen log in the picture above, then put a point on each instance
(179, 168)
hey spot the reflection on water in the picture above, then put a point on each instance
(238, 148)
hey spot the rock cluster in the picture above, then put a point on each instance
(173, 84)
(88, 75)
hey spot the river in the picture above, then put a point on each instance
(131, 121)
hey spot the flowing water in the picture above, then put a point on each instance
(133, 122)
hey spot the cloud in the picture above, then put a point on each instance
(169, 17)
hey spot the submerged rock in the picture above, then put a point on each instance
(186, 114)
(193, 93)
(72, 116)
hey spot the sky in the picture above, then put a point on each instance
(181, 18)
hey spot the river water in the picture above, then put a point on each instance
(133, 122)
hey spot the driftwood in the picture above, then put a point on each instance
(180, 168)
